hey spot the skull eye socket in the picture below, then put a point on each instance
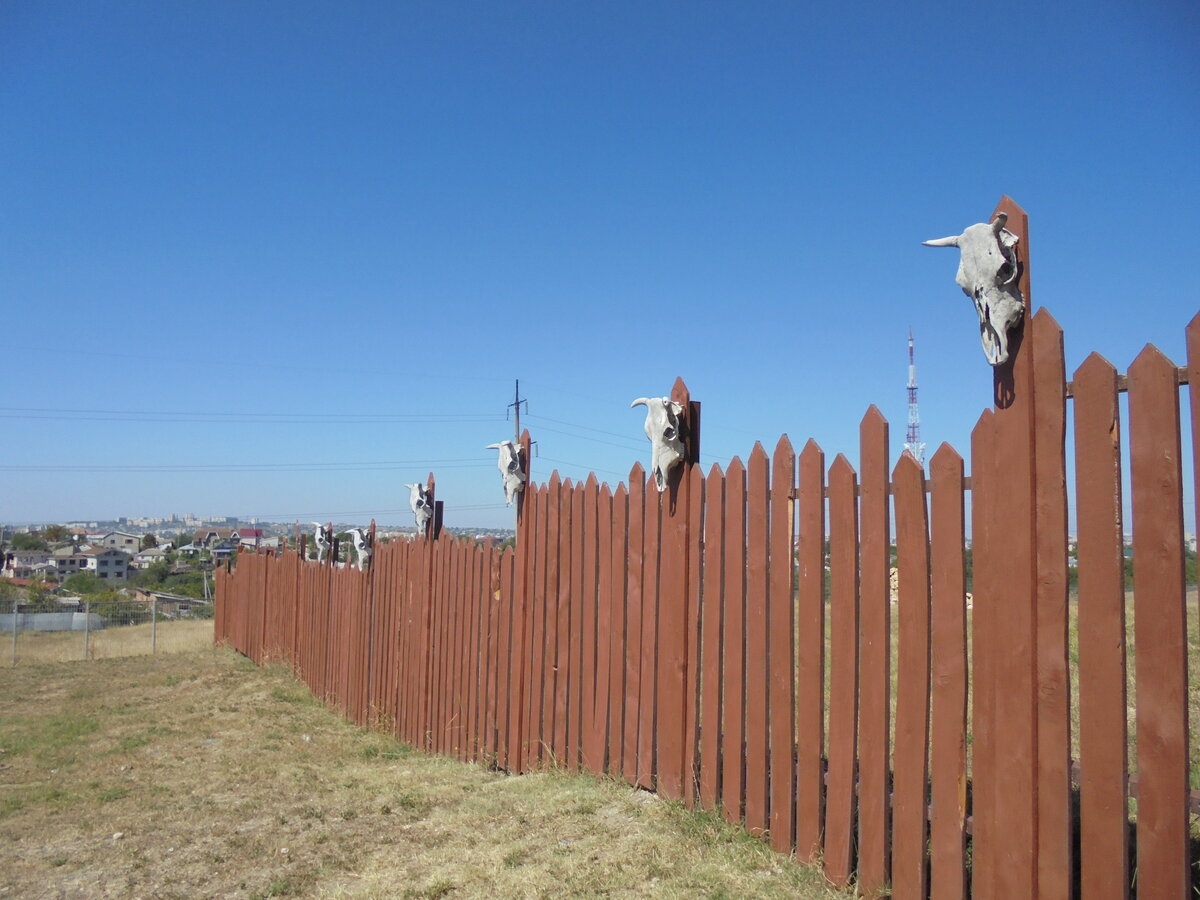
(1005, 273)
(669, 433)
(512, 466)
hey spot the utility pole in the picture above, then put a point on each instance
(516, 407)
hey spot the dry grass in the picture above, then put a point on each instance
(131, 640)
(200, 775)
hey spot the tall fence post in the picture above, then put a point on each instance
(153, 624)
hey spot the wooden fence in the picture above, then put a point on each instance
(733, 642)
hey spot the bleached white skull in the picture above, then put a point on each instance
(664, 429)
(422, 508)
(362, 547)
(322, 537)
(987, 273)
(511, 469)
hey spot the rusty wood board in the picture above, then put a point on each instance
(781, 630)
(596, 735)
(590, 632)
(984, 648)
(710, 655)
(671, 675)
(647, 770)
(1159, 622)
(1104, 851)
(875, 657)
(948, 752)
(1053, 679)
(633, 621)
(733, 673)
(618, 564)
(843, 675)
(912, 682)
(757, 581)
(810, 654)
(1015, 592)
(695, 549)
(558, 636)
(1192, 376)
(538, 652)
(566, 710)
(581, 632)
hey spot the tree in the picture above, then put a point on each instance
(38, 599)
(28, 541)
(149, 539)
(84, 583)
(56, 534)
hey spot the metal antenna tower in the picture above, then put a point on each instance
(912, 436)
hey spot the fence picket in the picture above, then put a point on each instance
(948, 658)
(711, 613)
(875, 653)
(781, 677)
(587, 628)
(1103, 753)
(618, 564)
(843, 675)
(633, 621)
(810, 654)
(1051, 617)
(912, 682)
(1159, 622)
(757, 581)
(733, 674)
(647, 770)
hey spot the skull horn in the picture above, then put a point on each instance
(943, 242)
(640, 401)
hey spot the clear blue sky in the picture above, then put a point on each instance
(276, 259)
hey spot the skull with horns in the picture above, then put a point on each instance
(988, 274)
(664, 427)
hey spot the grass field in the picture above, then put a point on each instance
(198, 774)
(130, 640)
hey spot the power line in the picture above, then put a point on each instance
(464, 463)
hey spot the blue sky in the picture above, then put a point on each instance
(277, 259)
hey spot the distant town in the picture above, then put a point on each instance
(164, 563)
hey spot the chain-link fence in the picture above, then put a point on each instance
(97, 630)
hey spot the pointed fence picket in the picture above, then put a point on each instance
(729, 641)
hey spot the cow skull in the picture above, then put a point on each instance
(987, 273)
(511, 469)
(322, 536)
(418, 501)
(664, 428)
(362, 547)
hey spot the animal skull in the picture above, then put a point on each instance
(664, 429)
(323, 539)
(418, 501)
(511, 469)
(362, 547)
(987, 273)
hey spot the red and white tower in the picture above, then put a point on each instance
(912, 436)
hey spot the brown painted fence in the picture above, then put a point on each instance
(732, 642)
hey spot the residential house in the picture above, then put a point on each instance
(146, 558)
(22, 563)
(130, 543)
(108, 563)
(68, 561)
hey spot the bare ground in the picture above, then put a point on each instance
(197, 774)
